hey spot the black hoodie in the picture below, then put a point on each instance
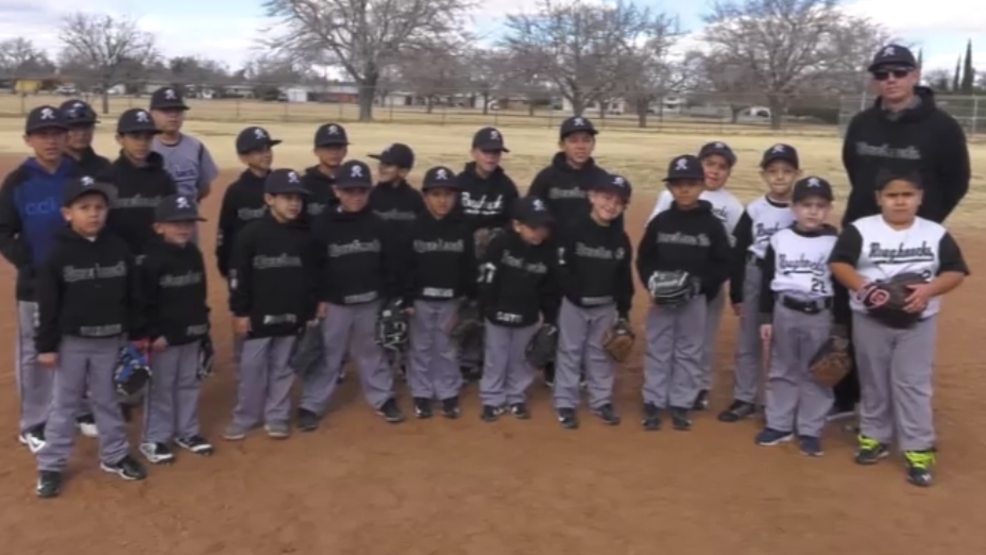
(564, 189)
(90, 163)
(923, 140)
(518, 282)
(397, 204)
(243, 202)
(362, 260)
(595, 266)
(441, 259)
(173, 291)
(321, 198)
(485, 201)
(139, 191)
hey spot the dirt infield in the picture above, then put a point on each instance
(361, 486)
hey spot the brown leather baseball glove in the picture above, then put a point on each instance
(620, 340)
(885, 299)
(831, 362)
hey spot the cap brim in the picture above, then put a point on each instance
(592, 132)
(495, 147)
(684, 178)
(770, 159)
(109, 191)
(320, 144)
(149, 131)
(290, 191)
(442, 185)
(43, 126)
(176, 219)
(353, 185)
(884, 65)
(176, 106)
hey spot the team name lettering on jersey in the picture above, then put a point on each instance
(482, 206)
(354, 247)
(439, 246)
(886, 151)
(246, 214)
(184, 280)
(599, 253)
(71, 274)
(573, 193)
(137, 201)
(678, 238)
(396, 215)
(516, 262)
(271, 262)
(316, 208)
(801, 263)
(901, 254)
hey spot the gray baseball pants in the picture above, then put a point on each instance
(265, 380)
(713, 318)
(895, 374)
(581, 332)
(84, 362)
(506, 373)
(34, 383)
(749, 357)
(433, 372)
(795, 401)
(171, 404)
(673, 362)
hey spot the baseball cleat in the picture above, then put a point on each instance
(33, 439)
(491, 413)
(652, 417)
(870, 451)
(87, 425)
(157, 453)
(768, 437)
(919, 465)
(450, 408)
(235, 432)
(391, 412)
(607, 414)
(701, 400)
(278, 430)
(49, 484)
(810, 446)
(520, 411)
(737, 411)
(307, 420)
(568, 418)
(196, 445)
(422, 408)
(127, 468)
(680, 420)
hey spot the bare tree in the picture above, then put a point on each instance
(488, 71)
(111, 49)
(939, 79)
(722, 82)
(645, 71)
(362, 36)
(19, 57)
(434, 72)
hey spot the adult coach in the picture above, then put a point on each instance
(906, 133)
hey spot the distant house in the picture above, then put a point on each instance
(614, 107)
(393, 99)
(27, 86)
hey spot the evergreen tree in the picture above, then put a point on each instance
(920, 58)
(968, 72)
(956, 78)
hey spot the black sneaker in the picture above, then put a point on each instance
(607, 414)
(491, 413)
(548, 374)
(520, 411)
(470, 373)
(919, 467)
(49, 484)
(870, 451)
(568, 418)
(306, 420)
(196, 445)
(450, 408)
(422, 408)
(391, 412)
(701, 400)
(680, 419)
(583, 382)
(652, 417)
(737, 411)
(127, 468)
(157, 453)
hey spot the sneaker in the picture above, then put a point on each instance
(870, 451)
(87, 425)
(390, 411)
(342, 376)
(470, 373)
(548, 373)
(520, 411)
(919, 465)
(235, 432)
(568, 418)
(491, 413)
(422, 408)
(680, 420)
(127, 468)
(157, 453)
(652, 417)
(196, 444)
(769, 437)
(583, 383)
(278, 430)
(607, 414)
(34, 438)
(737, 411)
(450, 408)
(701, 400)
(306, 420)
(810, 446)
(49, 484)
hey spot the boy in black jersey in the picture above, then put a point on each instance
(359, 279)
(87, 308)
(81, 120)
(440, 274)
(597, 287)
(517, 294)
(173, 291)
(393, 199)
(687, 237)
(274, 293)
(331, 147)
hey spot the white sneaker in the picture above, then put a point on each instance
(87, 426)
(157, 453)
(33, 439)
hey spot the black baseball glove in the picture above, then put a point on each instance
(392, 326)
(207, 358)
(543, 346)
(307, 351)
(468, 329)
(672, 288)
(885, 300)
(132, 373)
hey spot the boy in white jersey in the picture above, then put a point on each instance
(895, 363)
(717, 162)
(762, 218)
(796, 319)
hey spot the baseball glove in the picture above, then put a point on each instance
(672, 288)
(468, 329)
(885, 299)
(620, 340)
(543, 346)
(207, 358)
(307, 351)
(132, 371)
(831, 362)
(392, 326)
(483, 237)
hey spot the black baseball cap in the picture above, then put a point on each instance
(780, 151)
(331, 134)
(893, 55)
(812, 186)
(613, 183)
(685, 167)
(77, 112)
(439, 177)
(354, 175)
(84, 185)
(167, 98)
(177, 208)
(254, 138)
(532, 212)
(44, 117)
(397, 154)
(577, 124)
(718, 148)
(284, 182)
(136, 121)
(489, 139)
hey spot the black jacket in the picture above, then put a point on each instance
(923, 140)
(441, 260)
(173, 292)
(87, 289)
(243, 203)
(485, 201)
(139, 191)
(565, 189)
(321, 198)
(595, 266)
(518, 282)
(693, 241)
(91, 163)
(362, 260)
(274, 277)
(397, 205)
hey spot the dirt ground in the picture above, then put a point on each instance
(361, 486)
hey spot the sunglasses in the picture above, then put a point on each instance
(885, 74)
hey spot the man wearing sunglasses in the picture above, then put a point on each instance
(906, 133)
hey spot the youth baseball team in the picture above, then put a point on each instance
(106, 254)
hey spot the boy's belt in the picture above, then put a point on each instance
(806, 306)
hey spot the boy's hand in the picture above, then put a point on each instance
(919, 298)
(323, 311)
(738, 309)
(159, 345)
(48, 360)
(766, 332)
(242, 326)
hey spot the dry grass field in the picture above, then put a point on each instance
(360, 486)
